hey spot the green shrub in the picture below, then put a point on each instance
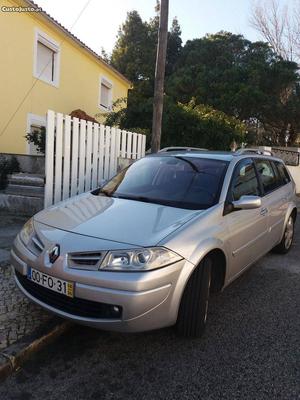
(7, 167)
(38, 138)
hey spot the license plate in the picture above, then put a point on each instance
(50, 282)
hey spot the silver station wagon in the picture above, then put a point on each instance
(147, 249)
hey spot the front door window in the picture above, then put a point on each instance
(244, 181)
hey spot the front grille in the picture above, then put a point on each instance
(75, 306)
(85, 260)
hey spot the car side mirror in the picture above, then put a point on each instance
(247, 203)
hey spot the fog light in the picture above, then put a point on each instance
(116, 310)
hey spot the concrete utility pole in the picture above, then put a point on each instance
(160, 75)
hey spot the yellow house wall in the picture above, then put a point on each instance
(79, 78)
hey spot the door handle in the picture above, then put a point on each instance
(263, 211)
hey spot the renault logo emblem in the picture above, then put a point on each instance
(54, 253)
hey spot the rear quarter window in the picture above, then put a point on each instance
(283, 173)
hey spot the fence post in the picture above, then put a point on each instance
(118, 150)
(88, 169)
(112, 152)
(123, 144)
(143, 145)
(95, 154)
(107, 151)
(74, 178)
(67, 156)
(128, 148)
(49, 158)
(134, 143)
(81, 172)
(101, 153)
(58, 158)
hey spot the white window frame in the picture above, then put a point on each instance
(34, 119)
(104, 80)
(47, 41)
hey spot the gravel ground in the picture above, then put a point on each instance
(18, 316)
(250, 350)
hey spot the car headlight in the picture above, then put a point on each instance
(27, 232)
(139, 259)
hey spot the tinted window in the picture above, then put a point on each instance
(178, 181)
(267, 175)
(284, 175)
(244, 181)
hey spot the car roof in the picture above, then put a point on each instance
(214, 155)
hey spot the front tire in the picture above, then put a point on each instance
(286, 242)
(193, 308)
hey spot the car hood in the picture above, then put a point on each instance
(126, 221)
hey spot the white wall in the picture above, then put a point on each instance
(295, 172)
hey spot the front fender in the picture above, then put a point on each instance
(205, 247)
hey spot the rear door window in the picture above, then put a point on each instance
(267, 175)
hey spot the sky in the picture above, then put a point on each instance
(98, 25)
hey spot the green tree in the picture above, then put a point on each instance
(244, 79)
(184, 124)
(201, 126)
(174, 46)
(134, 55)
(134, 51)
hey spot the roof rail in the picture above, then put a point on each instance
(167, 149)
(253, 151)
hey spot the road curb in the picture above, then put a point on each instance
(15, 355)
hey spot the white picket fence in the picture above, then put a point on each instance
(80, 153)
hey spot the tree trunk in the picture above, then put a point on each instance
(160, 75)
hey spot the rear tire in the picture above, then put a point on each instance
(193, 307)
(286, 242)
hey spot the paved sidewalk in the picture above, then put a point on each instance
(18, 316)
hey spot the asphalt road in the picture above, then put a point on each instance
(251, 350)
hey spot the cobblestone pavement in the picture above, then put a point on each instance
(18, 316)
(9, 227)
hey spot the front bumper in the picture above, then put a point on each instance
(149, 300)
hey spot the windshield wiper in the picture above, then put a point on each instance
(189, 162)
(138, 198)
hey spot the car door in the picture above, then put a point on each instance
(247, 229)
(275, 199)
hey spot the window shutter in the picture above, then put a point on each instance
(45, 62)
(105, 96)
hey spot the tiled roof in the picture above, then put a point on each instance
(76, 39)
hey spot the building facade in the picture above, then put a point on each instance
(43, 66)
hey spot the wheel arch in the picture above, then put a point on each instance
(292, 210)
(219, 269)
(217, 250)
(294, 213)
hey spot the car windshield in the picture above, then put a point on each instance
(176, 181)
